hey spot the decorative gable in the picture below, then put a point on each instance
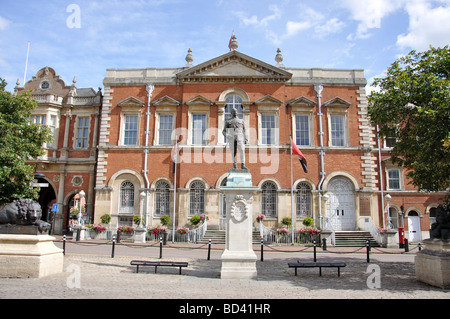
(301, 102)
(166, 101)
(131, 102)
(234, 67)
(199, 100)
(337, 102)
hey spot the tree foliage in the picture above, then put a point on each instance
(20, 141)
(413, 107)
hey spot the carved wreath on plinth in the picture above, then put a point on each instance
(239, 209)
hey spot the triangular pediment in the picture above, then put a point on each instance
(337, 102)
(199, 100)
(131, 101)
(268, 100)
(166, 101)
(234, 67)
(301, 101)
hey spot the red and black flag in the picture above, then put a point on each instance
(301, 157)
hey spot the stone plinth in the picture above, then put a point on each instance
(238, 258)
(389, 238)
(433, 263)
(140, 234)
(29, 256)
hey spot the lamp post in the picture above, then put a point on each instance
(140, 211)
(81, 195)
(388, 197)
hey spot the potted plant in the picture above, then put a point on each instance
(286, 221)
(195, 220)
(165, 220)
(282, 232)
(308, 221)
(204, 218)
(260, 218)
(105, 219)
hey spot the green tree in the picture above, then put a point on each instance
(20, 141)
(413, 107)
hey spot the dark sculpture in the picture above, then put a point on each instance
(234, 130)
(23, 212)
(441, 228)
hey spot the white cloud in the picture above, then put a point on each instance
(253, 20)
(330, 27)
(369, 14)
(3, 23)
(427, 26)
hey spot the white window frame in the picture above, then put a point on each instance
(389, 179)
(309, 115)
(157, 127)
(77, 137)
(276, 129)
(123, 115)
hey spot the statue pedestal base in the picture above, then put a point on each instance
(139, 235)
(29, 256)
(389, 238)
(238, 258)
(433, 263)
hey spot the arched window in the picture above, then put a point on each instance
(162, 198)
(127, 198)
(269, 199)
(197, 198)
(233, 101)
(303, 200)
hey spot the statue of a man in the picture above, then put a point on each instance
(234, 131)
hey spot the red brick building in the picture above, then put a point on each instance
(325, 111)
(118, 148)
(69, 164)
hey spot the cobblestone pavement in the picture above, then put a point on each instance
(90, 272)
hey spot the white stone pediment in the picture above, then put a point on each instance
(131, 101)
(234, 67)
(337, 102)
(166, 101)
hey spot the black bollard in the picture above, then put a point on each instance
(419, 245)
(113, 246)
(118, 236)
(324, 244)
(368, 250)
(315, 251)
(209, 250)
(406, 245)
(64, 245)
(160, 247)
(262, 249)
(78, 234)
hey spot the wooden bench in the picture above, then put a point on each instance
(157, 264)
(320, 265)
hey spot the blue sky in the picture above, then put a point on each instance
(341, 34)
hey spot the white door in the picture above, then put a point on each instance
(414, 228)
(341, 204)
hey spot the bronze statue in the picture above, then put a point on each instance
(23, 212)
(234, 131)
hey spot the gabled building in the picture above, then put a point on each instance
(69, 164)
(146, 110)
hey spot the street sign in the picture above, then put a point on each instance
(55, 208)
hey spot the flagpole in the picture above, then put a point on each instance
(174, 189)
(292, 193)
